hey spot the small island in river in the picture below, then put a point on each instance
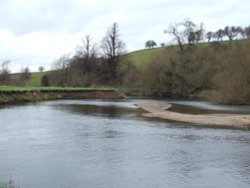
(161, 110)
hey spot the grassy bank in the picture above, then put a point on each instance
(34, 88)
(19, 95)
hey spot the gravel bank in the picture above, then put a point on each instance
(160, 110)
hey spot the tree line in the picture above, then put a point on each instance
(187, 32)
(6, 78)
(231, 32)
(92, 64)
(217, 70)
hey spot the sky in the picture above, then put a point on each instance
(35, 33)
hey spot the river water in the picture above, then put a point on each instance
(108, 144)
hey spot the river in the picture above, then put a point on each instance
(108, 144)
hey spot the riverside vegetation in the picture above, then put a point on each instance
(217, 70)
(20, 94)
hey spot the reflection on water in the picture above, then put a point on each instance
(95, 143)
(97, 110)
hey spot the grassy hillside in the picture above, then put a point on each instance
(35, 79)
(142, 58)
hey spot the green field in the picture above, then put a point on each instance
(35, 79)
(142, 58)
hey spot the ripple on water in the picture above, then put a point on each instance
(107, 144)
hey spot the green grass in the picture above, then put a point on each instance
(142, 58)
(26, 88)
(35, 80)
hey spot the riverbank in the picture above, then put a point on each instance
(161, 110)
(34, 95)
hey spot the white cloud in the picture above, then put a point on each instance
(35, 49)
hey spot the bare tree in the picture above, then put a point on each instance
(59, 76)
(61, 63)
(5, 76)
(25, 74)
(84, 64)
(193, 33)
(178, 35)
(86, 56)
(113, 47)
(189, 31)
(186, 32)
(87, 48)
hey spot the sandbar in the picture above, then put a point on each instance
(161, 110)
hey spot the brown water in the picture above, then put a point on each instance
(94, 143)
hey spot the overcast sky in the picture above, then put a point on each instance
(36, 32)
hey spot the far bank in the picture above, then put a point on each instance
(34, 95)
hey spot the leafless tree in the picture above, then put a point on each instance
(61, 63)
(113, 47)
(87, 48)
(25, 74)
(193, 32)
(83, 66)
(59, 76)
(186, 32)
(5, 76)
(173, 29)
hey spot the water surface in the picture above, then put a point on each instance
(95, 143)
